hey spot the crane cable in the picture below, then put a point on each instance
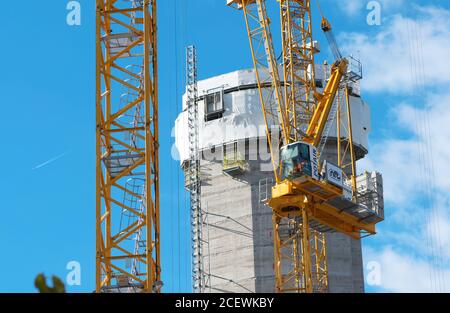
(434, 222)
(328, 32)
(432, 173)
(426, 158)
(320, 8)
(420, 147)
(338, 56)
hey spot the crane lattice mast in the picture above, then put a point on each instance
(127, 165)
(298, 50)
(298, 65)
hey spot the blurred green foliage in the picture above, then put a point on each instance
(41, 284)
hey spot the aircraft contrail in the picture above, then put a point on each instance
(49, 161)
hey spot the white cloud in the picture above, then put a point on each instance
(414, 156)
(401, 272)
(388, 55)
(408, 164)
(353, 7)
(412, 174)
(390, 4)
(439, 229)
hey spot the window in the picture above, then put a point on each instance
(304, 152)
(296, 161)
(233, 159)
(214, 107)
(319, 83)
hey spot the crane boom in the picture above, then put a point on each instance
(325, 102)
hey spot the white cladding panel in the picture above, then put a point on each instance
(243, 117)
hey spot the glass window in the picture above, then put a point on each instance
(289, 152)
(319, 83)
(304, 152)
(296, 161)
(214, 105)
(210, 103)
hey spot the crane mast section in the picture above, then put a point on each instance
(298, 64)
(266, 71)
(127, 162)
(298, 47)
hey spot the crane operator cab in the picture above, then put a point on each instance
(300, 176)
(299, 159)
(300, 171)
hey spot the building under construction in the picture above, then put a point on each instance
(236, 230)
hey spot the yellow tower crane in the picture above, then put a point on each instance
(310, 197)
(127, 174)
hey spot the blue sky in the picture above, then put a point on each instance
(48, 112)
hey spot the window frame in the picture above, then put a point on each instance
(218, 106)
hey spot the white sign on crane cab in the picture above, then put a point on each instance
(334, 174)
(314, 162)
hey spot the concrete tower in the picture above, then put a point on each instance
(236, 176)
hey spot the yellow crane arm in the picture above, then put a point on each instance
(324, 103)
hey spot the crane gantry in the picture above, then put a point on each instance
(306, 199)
(127, 165)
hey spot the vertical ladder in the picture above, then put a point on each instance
(329, 123)
(193, 172)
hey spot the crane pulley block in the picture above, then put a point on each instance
(326, 26)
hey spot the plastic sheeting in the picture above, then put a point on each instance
(243, 116)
